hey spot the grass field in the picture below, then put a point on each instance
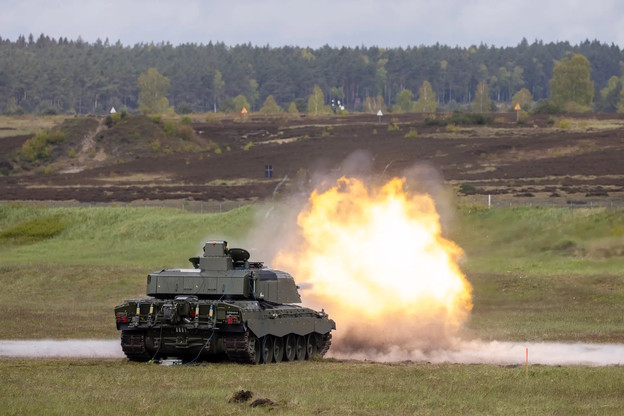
(537, 274)
(27, 124)
(308, 388)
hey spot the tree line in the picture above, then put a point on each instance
(47, 75)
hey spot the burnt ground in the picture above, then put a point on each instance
(533, 159)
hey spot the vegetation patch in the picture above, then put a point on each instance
(40, 146)
(33, 230)
(307, 388)
(411, 134)
(458, 118)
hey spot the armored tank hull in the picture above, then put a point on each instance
(225, 306)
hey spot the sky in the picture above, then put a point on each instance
(315, 23)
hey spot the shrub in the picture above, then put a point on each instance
(460, 119)
(33, 230)
(411, 134)
(248, 146)
(546, 107)
(394, 127)
(186, 132)
(184, 108)
(155, 146)
(452, 128)
(572, 107)
(468, 189)
(40, 146)
(563, 123)
(170, 128)
(49, 111)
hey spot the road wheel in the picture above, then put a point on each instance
(278, 349)
(300, 350)
(310, 345)
(267, 349)
(290, 347)
(254, 349)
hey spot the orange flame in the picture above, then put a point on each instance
(375, 260)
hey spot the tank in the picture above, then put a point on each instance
(225, 306)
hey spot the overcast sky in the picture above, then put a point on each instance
(314, 23)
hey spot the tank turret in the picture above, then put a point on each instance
(226, 305)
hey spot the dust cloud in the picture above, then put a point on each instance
(463, 352)
(403, 335)
(47, 348)
(503, 353)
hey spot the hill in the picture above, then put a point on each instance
(573, 159)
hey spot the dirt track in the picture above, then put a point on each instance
(465, 352)
(533, 159)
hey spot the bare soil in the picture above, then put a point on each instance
(533, 159)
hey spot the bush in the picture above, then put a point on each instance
(186, 132)
(452, 128)
(468, 189)
(394, 127)
(171, 128)
(459, 119)
(155, 146)
(411, 134)
(547, 107)
(40, 146)
(572, 107)
(33, 230)
(563, 123)
(184, 108)
(49, 111)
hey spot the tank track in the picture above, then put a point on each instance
(133, 345)
(326, 343)
(237, 347)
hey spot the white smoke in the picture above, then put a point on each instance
(505, 353)
(47, 348)
(464, 352)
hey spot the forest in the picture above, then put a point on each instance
(59, 76)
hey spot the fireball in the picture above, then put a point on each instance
(375, 260)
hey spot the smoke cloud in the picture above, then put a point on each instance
(385, 262)
(463, 352)
(47, 348)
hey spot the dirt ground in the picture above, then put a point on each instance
(534, 159)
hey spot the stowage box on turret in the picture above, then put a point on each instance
(225, 305)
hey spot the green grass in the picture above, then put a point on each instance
(32, 230)
(541, 241)
(28, 124)
(537, 274)
(148, 237)
(313, 387)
